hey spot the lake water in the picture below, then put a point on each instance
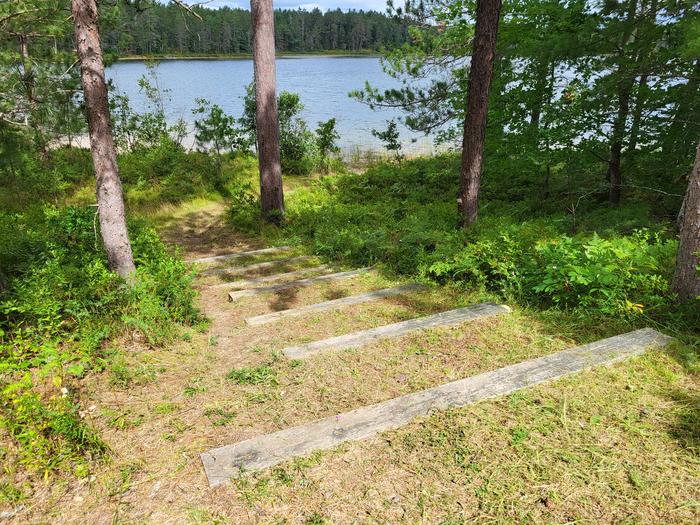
(323, 84)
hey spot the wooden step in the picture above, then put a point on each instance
(335, 303)
(238, 255)
(365, 337)
(295, 284)
(220, 464)
(245, 283)
(242, 270)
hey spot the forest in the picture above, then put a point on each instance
(259, 329)
(155, 29)
(167, 30)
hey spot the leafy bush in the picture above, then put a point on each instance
(57, 310)
(168, 173)
(140, 131)
(326, 142)
(299, 146)
(405, 216)
(621, 275)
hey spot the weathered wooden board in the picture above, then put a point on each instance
(335, 303)
(246, 283)
(242, 270)
(295, 284)
(220, 464)
(365, 337)
(238, 255)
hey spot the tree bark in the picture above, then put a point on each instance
(27, 69)
(480, 73)
(267, 123)
(615, 166)
(686, 281)
(110, 200)
(625, 84)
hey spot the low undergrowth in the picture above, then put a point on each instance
(60, 306)
(584, 257)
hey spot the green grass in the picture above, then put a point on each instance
(253, 375)
(615, 444)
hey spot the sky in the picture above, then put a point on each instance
(324, 5)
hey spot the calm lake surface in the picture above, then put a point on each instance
(323, 84)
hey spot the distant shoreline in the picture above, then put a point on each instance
(248, 56)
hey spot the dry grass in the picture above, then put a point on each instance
(617, 444)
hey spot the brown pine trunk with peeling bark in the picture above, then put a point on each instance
(480, 73)
(110, 200)
(266, 120)
(686, 281)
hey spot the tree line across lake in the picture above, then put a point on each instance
(166, 29)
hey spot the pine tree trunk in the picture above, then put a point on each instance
(615, 167)
(686, 281)
(624, 91)
(480, 73)
(267, 124)
(110, 201)
(27, 69)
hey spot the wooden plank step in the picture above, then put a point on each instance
(294, 284)
(365, 337)
(242, 270)
(238, 255)
(220, 464)
(245, 283)
(335, 303)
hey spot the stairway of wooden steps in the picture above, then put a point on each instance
(334, 304)
(224, 462)
(309, 281)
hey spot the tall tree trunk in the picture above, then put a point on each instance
(624, 90)
(540, 96)
(267, 124)
(686, 281)
(480, 73)
(110, 201)
(615, 166)
(27, 69)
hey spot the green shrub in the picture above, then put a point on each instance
(56, 311)
(405, 215)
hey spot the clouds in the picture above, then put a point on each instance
(324, 5)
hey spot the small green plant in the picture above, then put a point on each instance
(326, 141)
(217, 132)
(219, 416)
(165, 408)
(315, 519)
(195, 388)
(299, 153)
(141, 131)
(253, 375)
(390, 138)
